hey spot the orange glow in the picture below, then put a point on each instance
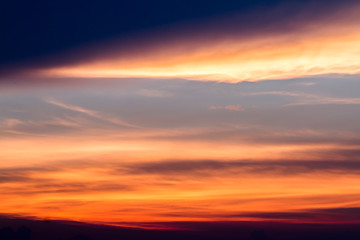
(164, 151)
(69, 178)
(319, 48)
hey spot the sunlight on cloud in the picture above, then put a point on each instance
(178, 150)
(314, 49)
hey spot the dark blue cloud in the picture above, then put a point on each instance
(32, 29)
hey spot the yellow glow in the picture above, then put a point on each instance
(321, 48)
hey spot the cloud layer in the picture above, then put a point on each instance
(282, 41)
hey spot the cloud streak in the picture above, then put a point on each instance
(90, 113)
(309, 215)
(228, 107)
(272, 167)
(213, 188)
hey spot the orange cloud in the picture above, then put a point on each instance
(109, 178)
(314, 48)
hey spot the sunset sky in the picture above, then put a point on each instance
(144, 113)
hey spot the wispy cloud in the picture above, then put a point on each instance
(303, 98)
(306, 83)
(269, 167)
(10, 122)
(73, 108)
(318, 100)
(153, 93)
(317, 215)
(277, 93)
(237, 107)
(91, 113)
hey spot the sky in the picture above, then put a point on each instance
(138, 113)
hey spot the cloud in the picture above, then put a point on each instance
(73, 108)
(228, 107)
(279, 93)
(44, 180)
(153, 93)
(269, 167)
(314, 215)
(307, 98)
(318, 100)
(44, 127)
(306, 83)
(91, 113)
(275, 43)
(317, 215)
(9, 178)
(20, 174)
(181, 189)
(54, 187)
(10, 122)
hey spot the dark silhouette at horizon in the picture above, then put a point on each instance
(24, 229)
